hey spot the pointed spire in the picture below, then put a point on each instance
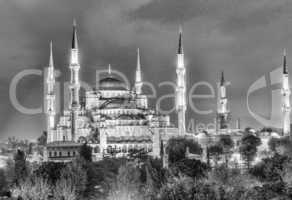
(222, 81)
(180, 42)
(138, 60)
(74, 38)
(109, 69)
(285, 69)
(51, 62)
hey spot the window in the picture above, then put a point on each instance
(60, 153)
(50, 154)
(74, 153)
(69, 154)
(55, 154)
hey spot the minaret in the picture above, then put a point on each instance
(222, 107)
(138, 80)
(285, 97)
(181, 86)
(74, 70)
(50, 94)
(74, 82)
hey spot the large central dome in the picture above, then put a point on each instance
(111, 83)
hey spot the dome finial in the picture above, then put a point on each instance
(109, 69)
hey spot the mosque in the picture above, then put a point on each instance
(115, 118)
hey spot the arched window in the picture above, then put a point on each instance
(60, 153)
(69, 154)
(55, 154)
(74, 153)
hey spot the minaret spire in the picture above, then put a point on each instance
(222, 81)
(74, 82)
(74, 47)
(285, 69)
(138, 78)
(180, 49)
(285, 97)
(50, 97)
(74, 37)
(51, 62)
(181, 86)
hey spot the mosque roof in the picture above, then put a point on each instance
(111, 83)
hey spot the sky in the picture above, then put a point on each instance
(243, 38)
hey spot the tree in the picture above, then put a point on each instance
(215, 151)
(176, 148)
(101, 175)
(192, 168)
(273, 173)
(65, 190)
(42, 140)
(20, 168)
(281, 146)
(3, 182)
(127, 185)
(86, 152)
(76, 175)
(227, 144)
(248, 148)
(34, 188)
(177, 188)
(273, 144)
(153, 176)
(50, 171)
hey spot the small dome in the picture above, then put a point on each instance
(111, 83)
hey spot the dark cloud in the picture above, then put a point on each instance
(244, 38)
(170, 11)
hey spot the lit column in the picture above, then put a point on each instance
(138, 80)
(74, 82)
(50, 97)
(180, 86)
(285, 98)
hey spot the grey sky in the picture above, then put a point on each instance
(243, 38)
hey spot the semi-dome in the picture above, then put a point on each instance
(111, 83)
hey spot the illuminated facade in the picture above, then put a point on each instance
(113, 118)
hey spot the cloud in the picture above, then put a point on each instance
(245, 38)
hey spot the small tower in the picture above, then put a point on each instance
(138, 80)
(50, 96)
(74, 82)
(181, 86)
(285, 98)
(223, 114)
